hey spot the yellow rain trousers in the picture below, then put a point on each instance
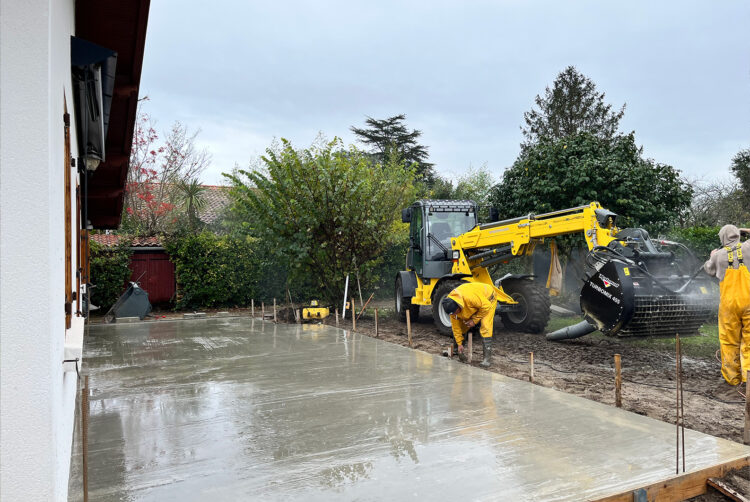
(734, 320)
(477, 302)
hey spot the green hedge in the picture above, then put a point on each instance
(109, 273)
(700, 240)
(214, 270)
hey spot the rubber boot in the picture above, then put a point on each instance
(486, 352)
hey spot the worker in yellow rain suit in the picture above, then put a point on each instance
(472, 306)
(727, 264)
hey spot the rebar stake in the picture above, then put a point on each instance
(337, 316)
(680, 411)
(376, 322)
(618, 382)
(408, 325)
(85, 436)
(746, 434)
(252, 308)
(354, 317)
(274, 310)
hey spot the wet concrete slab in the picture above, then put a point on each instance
(241, 409)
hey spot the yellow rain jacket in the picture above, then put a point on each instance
(477, 302)
(734, 307)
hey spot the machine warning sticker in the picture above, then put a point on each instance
(704, 290)
(608, 282)
(626, 270)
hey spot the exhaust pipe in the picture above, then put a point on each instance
(574, 331)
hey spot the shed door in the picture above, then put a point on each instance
(156, 274)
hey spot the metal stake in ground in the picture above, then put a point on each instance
(680, 412)
(252, 308)
(408, 326)
(337, 316)
(85, 436)
(274, 310)
(746, 435)
(376, 322)
(618, 382)
(354, 317)
(469, 345)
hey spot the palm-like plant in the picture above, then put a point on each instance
(191, 193)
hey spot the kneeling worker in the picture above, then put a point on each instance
(472, 305)
(727, 264)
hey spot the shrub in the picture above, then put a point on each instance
(214, 270)
(700, 240)
(109, 273)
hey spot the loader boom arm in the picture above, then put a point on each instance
(492, 243)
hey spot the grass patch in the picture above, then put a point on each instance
(704, 345)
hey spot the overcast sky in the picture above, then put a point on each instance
(463, 72)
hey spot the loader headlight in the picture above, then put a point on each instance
(456, 255)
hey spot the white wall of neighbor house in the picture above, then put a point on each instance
(37, 397)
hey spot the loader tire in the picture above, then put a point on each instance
(535, 301)
(442, 319)
(403, 303)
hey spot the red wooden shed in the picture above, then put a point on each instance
(150, 266)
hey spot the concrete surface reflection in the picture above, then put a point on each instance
(241, 409)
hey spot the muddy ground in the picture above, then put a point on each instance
(585, 367)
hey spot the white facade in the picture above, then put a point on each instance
(37, 393)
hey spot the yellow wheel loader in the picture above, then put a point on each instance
(633, 286)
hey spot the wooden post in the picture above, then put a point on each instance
(84, 437)
(337, 316)
(376, 323)
(746, 435)
(531, 367)
(408, 325)
(469, 346)
(618, 382)
(252, 308)
(354, 316)
(274, 310)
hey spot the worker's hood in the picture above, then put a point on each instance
(456, 296)
(729, 235)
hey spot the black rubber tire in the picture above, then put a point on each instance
(404, 304)
(442, 320)
(536, 299)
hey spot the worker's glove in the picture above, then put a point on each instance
(462, 354)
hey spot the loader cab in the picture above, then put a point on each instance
(432, 223)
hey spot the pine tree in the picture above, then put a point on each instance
(571, 106)
(386, 135)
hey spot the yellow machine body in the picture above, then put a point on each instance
(521, 235)
(315, 312)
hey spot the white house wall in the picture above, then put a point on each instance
(37, 398)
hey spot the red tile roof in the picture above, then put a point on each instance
(217, 199)
(110, 240)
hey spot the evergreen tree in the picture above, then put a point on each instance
(571, 106)
(390, 135)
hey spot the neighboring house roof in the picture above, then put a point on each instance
(217, 199)
(111, 240)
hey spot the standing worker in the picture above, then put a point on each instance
(472, 306)
(727, 264)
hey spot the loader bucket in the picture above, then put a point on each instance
(623, 299)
